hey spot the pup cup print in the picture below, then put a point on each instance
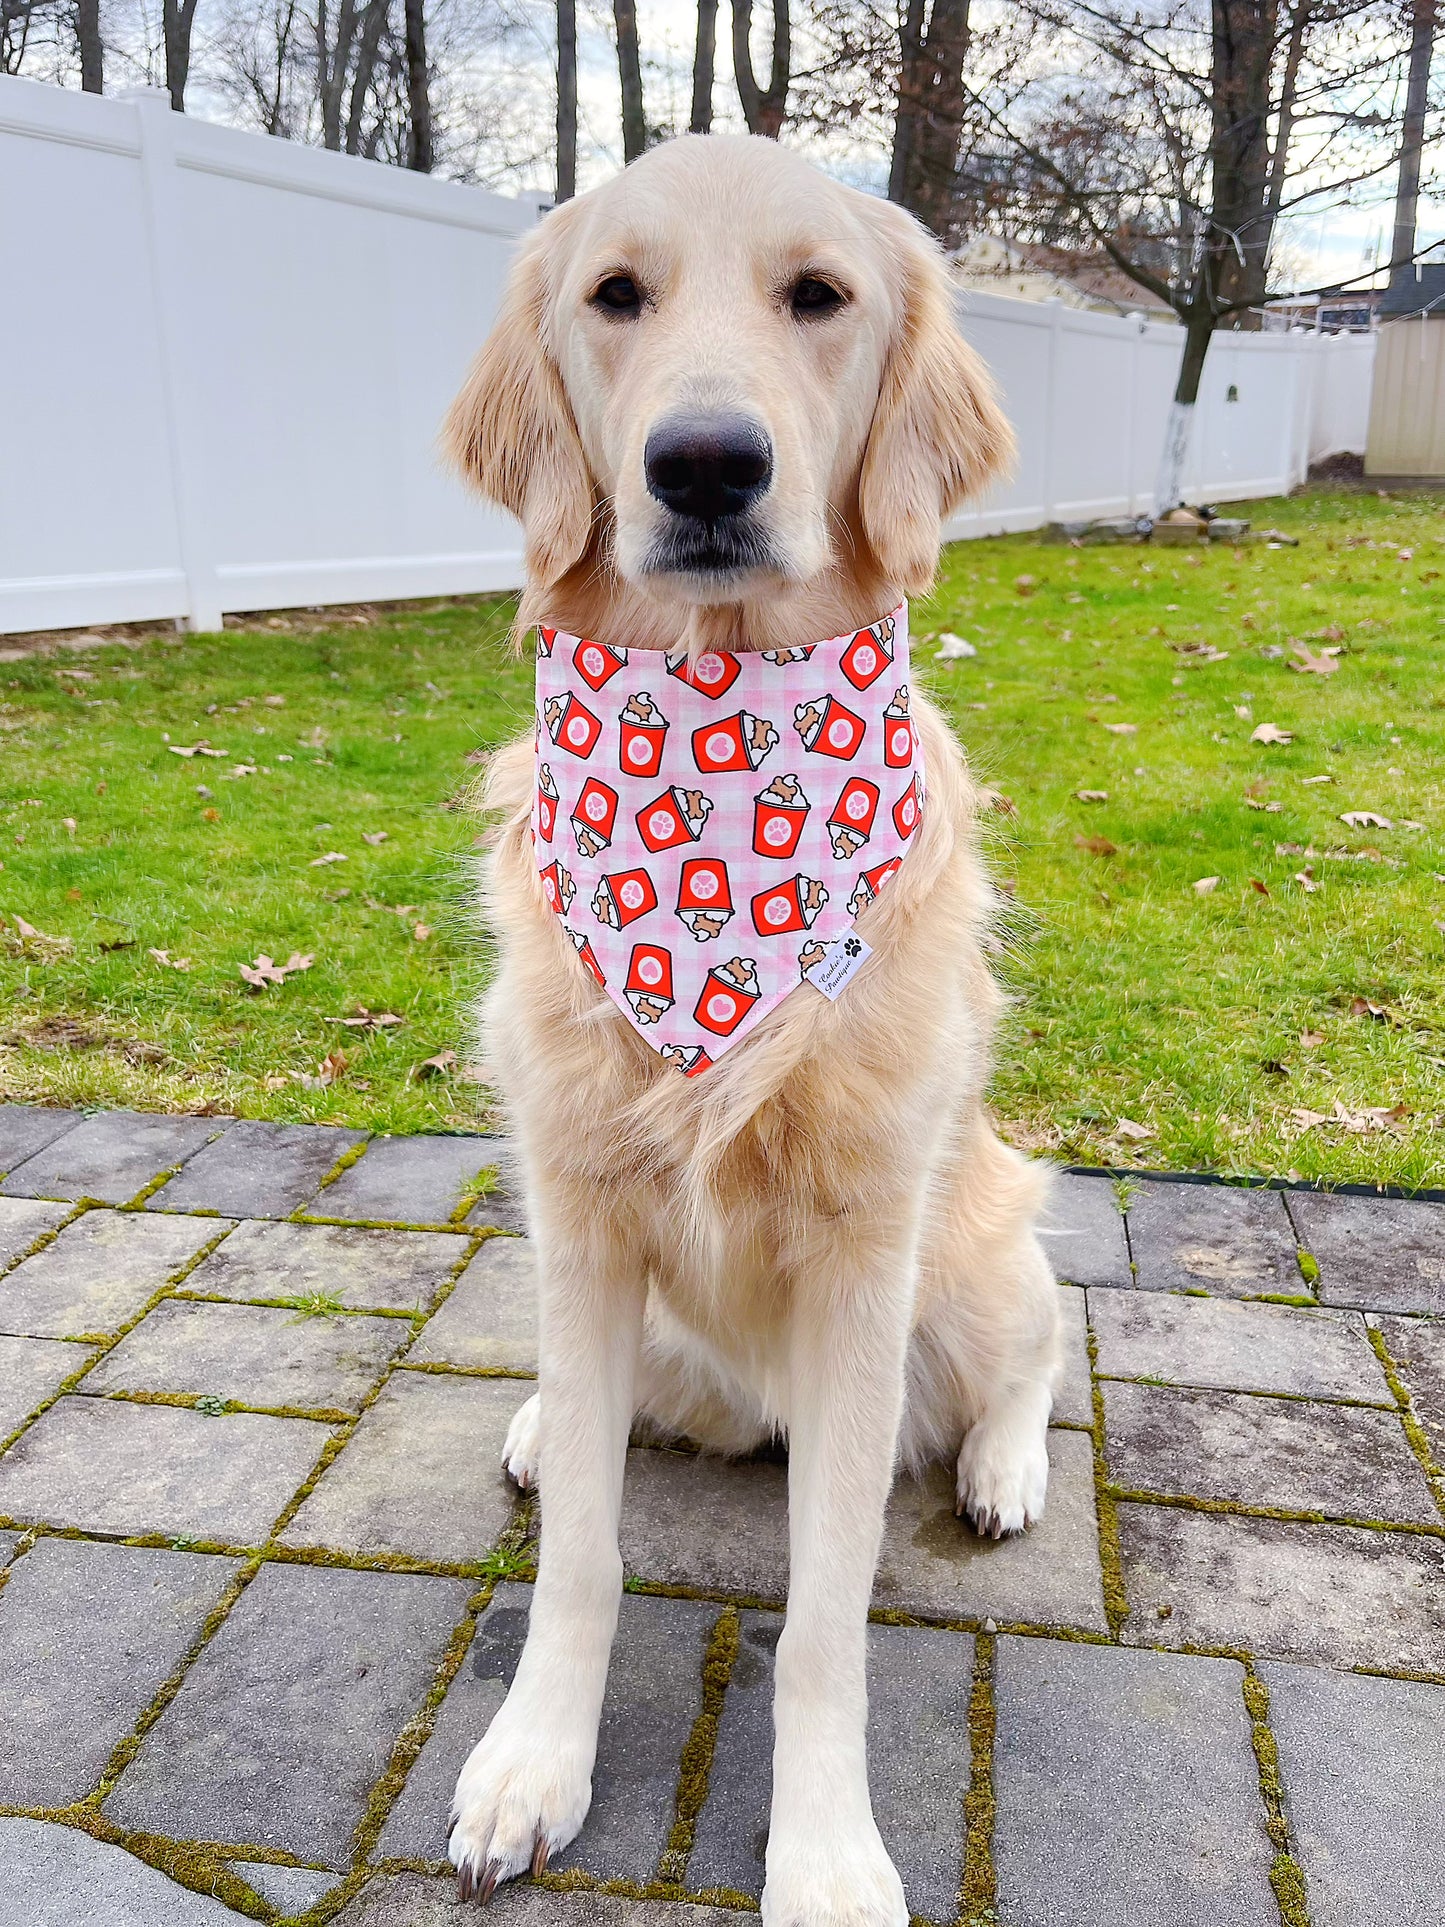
(731, 817)
(641, 735)
(779, 814)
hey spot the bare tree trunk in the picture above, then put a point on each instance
(92, 59)
(419, 154)
(373, 24)
(929, 123)
(764, 111)
(1199, 324)
(177, 19)
(566, 99)
(1241, 70)
(629, 68)
(704, 56)
(1417, 88)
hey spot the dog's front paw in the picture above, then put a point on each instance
(839, 1879)
(522, 1795)
(522, 1453)
(1003, 1475)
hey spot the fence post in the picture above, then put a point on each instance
(160, 186)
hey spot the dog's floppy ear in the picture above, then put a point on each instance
(511, 430)
(938, 432)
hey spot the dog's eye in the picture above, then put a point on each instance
(618, 294)
(813, 296)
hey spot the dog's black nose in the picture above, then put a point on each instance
(708, 466)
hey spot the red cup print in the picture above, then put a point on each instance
(777, 826)
(557, 887)
(828, 729)
(677, 816)
(788, 906)
(624, 897)
(869, 883)
(733, 742)
(596, 663)
(711, 675)
(865, 659)
(907, 810)
(594, 817)
(649, 974)
(546, 804)
(728, 993)
(572, 725)
(639, 745)
(898, 733)
(545, 640)
(856, 806)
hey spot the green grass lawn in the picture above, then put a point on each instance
(1217, 1024)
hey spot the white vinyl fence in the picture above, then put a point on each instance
(226, 358)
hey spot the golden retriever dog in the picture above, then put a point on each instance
(820, 1239)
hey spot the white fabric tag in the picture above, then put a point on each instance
(833, 973)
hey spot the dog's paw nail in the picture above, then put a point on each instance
(491, 1873)
(541, 1854)
(466, 1881)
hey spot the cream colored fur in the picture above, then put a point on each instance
(821, 1237)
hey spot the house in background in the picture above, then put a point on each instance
(1407, 398)
(1034, 271)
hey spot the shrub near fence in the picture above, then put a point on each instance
(229, 354)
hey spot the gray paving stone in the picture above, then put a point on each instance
(285, 1722)
(64, 1877)
(1345, 1460)
(291, 1890)
(252, 1353)
(256, 1170)
(505, 1204)
(430, 1900)
(421, 1474)
(108, 1466)
(1074, 1395)
(28, 1128)
(1083, 1231)
(1233, 1346)
(110, 1157)
(1363, 1763)
(1217, 1238)
(8, 1542)
(1338, 1594)
(935, 1565)
(1417, 1346)
(919, 1683)
(22, 1221)
(490, 1316)
(1386, 1254)
(98, 1273)
(88, 1634)
(1126, 1791)
(364, 1270)
(30, 1370)
(654, 1694)
(417, 1826)
(711, 1524)
(406, 1180)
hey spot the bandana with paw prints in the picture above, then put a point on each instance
(708, 831)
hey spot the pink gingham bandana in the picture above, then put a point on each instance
(709, 831)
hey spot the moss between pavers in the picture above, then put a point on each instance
(1111, 1563)
(1414, 1432)
(1285, 1874)
(1285, 1515)
(978, 1891)
(695, 1767)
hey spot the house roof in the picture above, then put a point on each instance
(1417, 287)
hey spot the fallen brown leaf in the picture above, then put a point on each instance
(266, 970)
(1092, 796)
(1097, 845)
(1126, 1127)
(170, 962)
(370, 1019)
(1271, 733)
(1203, 885)
(1311, 1039)
(1122, 729)
(373, 837)
(1366, 820)
(202, 748)
(1310, 664)
(421, 931)
(331, 856)
(438, 1066)
(1261, 889)
(1025, 584)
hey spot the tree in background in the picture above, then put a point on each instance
(764, 109)
(566, 99)
(629, 68)
(932, 109)
(703, 61)
(1412, 133)
(177, 19)
(92, 56)
(419, 154)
